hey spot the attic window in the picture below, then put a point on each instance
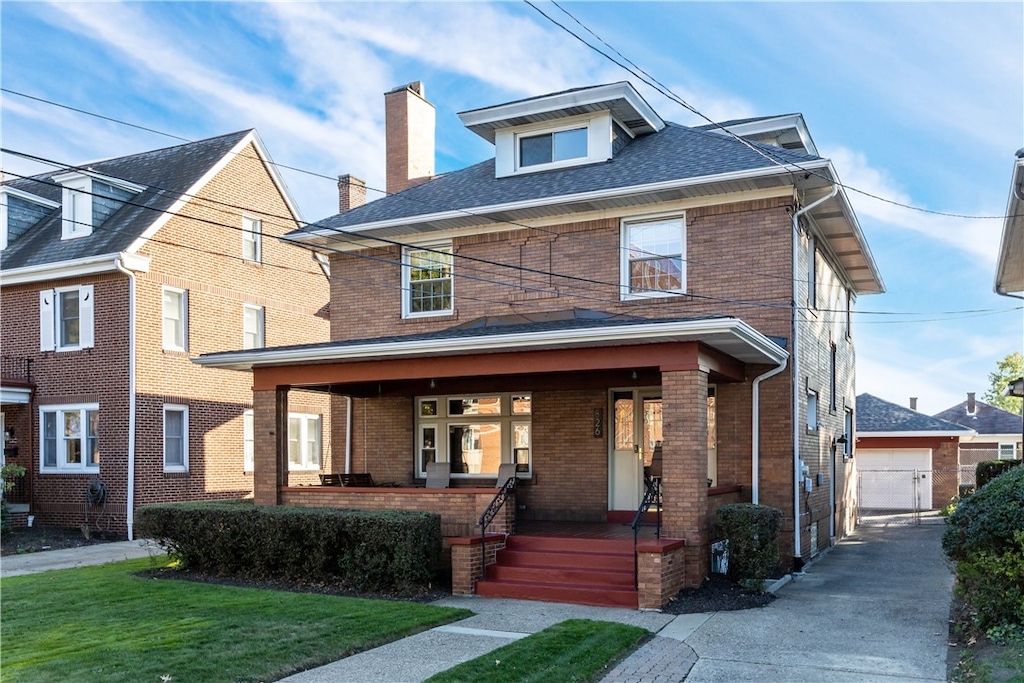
(547, 148)
(76, 216)
(89, 199)
(553, 144)
(19, 211)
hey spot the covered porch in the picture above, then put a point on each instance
(583, 409)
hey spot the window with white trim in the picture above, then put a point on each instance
(474, 434)
(812, 410)
(69, 438)
(252, 239)
(1007, 451)
(812, 273)
(553, 146)
(248, 441)
(427, 280)
(653, 257)
(848, 432)
(175, 319)
(303, 441)
(848, 319)
(66, 318)
(252, 327)
(175, 438)
(76, 208)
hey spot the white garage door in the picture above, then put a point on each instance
(887, 478)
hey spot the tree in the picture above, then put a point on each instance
(1007, 370)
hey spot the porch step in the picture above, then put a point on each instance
(583, 571)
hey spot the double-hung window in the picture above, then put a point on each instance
(303, 441)
(175, 438)
(252, 327)
(252, 239)
(69, 438)
(653, 257)
(175, 316)
(427, 281)
(474, 434)
(66, 318)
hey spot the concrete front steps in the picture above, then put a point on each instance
(581, 571)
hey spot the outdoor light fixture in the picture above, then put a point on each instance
(433, 384)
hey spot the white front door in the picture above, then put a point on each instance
(636, 431)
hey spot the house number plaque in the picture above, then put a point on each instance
(598, 422)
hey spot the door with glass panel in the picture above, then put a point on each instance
(636, 434)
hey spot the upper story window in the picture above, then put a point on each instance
(848, 318)
(19, 211)
(69, 438)
(175, 319)
(88, 199)
(812, 273)
(547, 148)
(66, 318)
(252, 327)
(76, 203)
(812, 410)
(427, 281)
(653, 257)
(252, 239)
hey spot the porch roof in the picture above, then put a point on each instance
(542, 332)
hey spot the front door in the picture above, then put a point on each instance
(636, 432)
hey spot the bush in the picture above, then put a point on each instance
(986, 471)
(993, 584)
(986, 521)
(753, 533)
(386, 550)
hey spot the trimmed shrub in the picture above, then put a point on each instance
(986, 471)
(753, 533)
(993, 584)
(986, 521)
(386, 550)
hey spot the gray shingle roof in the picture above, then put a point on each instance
(166, 173)
(878, 415)
(986, 419)
(674, 153)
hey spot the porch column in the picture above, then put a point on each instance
(270, 444)
(685, 467)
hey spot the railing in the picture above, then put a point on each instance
(493, 508)
(16, 368)
(652, 495)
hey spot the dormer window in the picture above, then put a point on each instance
(546, 148)
(88, 199)
(19, 211)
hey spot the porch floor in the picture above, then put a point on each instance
(582, 530)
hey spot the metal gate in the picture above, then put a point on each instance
(887, 497)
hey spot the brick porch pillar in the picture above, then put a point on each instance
(270, 444)
(685, 467)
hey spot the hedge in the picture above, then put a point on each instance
(986, 471)
(753, 533)
(985, 521)
(387, 550)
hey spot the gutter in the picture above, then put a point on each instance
(130, 503)
(797, 460)
(755, 451)
(89, 265)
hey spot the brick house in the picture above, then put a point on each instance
(114, 276)
(610, 295)
(906, 460)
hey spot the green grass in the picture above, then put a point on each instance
(574, 650)
(104, 623)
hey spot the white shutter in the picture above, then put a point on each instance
(85, 316)
(46, 336)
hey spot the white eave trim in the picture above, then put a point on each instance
(63, 178)
(925, 433)
(695, 330)
(29, 197)
(483, 211)
(21, 395)
(90, 265)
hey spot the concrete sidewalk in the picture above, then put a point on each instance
(68, 558)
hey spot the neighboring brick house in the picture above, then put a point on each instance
(116, 274)
(609, 291)
(906, 460)
(996, 432)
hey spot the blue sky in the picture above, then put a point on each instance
(920, 103)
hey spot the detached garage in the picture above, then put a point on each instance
(905, 460)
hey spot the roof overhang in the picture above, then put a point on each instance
(21, 395)
(918, 433)
(1010, 263)
(90, 265)
(730, 336)
(624, 102)
(788, 131)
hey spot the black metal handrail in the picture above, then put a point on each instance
(652, 495)
(493, 508)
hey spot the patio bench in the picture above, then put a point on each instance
(358, 479)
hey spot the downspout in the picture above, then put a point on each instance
(348, 435)
(755, 451)
(797, 474)
(130, 520)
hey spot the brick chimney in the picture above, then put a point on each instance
(351, 192)
(972, 407)
(913, 402)
(409, 133)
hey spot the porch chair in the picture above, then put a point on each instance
(358, 479)
(438, 475)
(506, 471)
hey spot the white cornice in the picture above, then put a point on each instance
(721, 333)
(63, 178)
(921, 433)
(28, 197)
(90, 265)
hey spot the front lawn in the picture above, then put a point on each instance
(105, 623)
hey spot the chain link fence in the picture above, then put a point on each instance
(908, 496)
